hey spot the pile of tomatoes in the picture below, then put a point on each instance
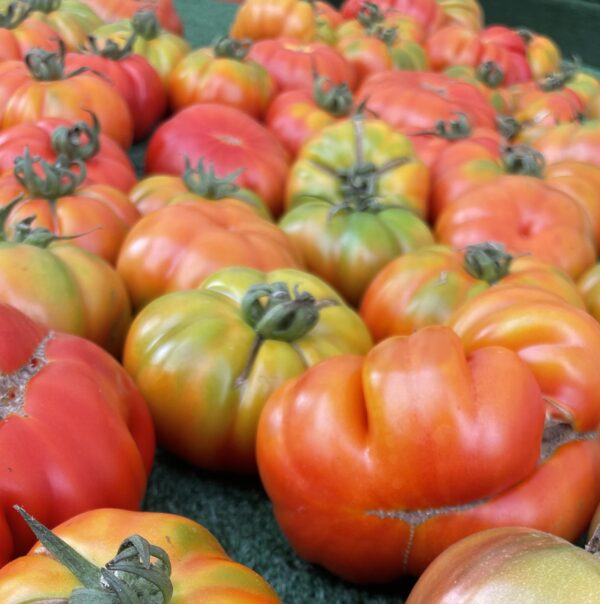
(360, 264)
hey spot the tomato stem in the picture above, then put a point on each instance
(229, 48)
(14, 15)
(487, 261)
(490, 74)
(111, 49)
(522, 159)
(335, 99)
(78, 142)
(145, 24)
(138, 574)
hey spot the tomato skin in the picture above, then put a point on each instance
(589, 286)
(177, 247)
(291, 63)
(67, 289)
(410, 100)
(78, 394)
(110, 165)
(557, 340)
(136, 81)
(513, 563)
(465, 12)
(24, 99)
(16, 41)
(201, 570)
(319, 438)
(213, 425)
(202, 77)
(525, 214)
(427, 285)
(227, 138)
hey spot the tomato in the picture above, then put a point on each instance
(514, 563)
(589, 286)
(19, 34)
(282, 322)
(51, 138)
(525, 214)
(61, 392)
(222, 74)
(266, 19)
(131, 75)
(376, 464)
(427, 12)
(163, 49)
(72, 20)
(200, 185)
(291, 63)
(557, 340)
(97, 216)
(177, 247)
(62, 285)
(410, 100)
(116, 10)
(295, 116)
(38, 88)
(149, 556)
(425, 286)
(543, 55)
(468, 13)
(227, 138)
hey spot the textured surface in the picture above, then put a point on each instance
(237, 510)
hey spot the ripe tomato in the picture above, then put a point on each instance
(161, 558)
(177, 247)
(76, 433)
(227, 138)
(417, 423)
(514, 564)
(281, 322)
(51, 138)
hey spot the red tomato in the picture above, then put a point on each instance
(131, 75)
(377, 464)
(230, 140)
(292, 63)
(105, 161)
(76, 433)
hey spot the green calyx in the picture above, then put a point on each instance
(452, 130)
(48, 66)
(44, 6)
(524, 160)
(508, 126)
(78, 142)
(111, 49)
(559, 79)
(207, 184)
(487, 261)
(145, 24)
(14, 15)
(138, 574)
(490, 74)
(370, 15)
(55, 180)
(336, 99)
(275, 313)
(229, 48)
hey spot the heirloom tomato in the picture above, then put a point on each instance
(130, 74)
(223, 75)
(412, 100)
(72, 20)
(426, 12)
(512, 564)
(295, 116)
(232, 342)
(374, 472)
(97, 216)
(196, 185)
(163, 49)
(76, 433)
(291, 63)
(116, 10)
(54, 138)
(178, 246)
(527, 215)
(426, 286)
(39, 87)
(557, 340)
(112, 555)
(227, 138)
(62, 286)
(19, 34)
(302, 20)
